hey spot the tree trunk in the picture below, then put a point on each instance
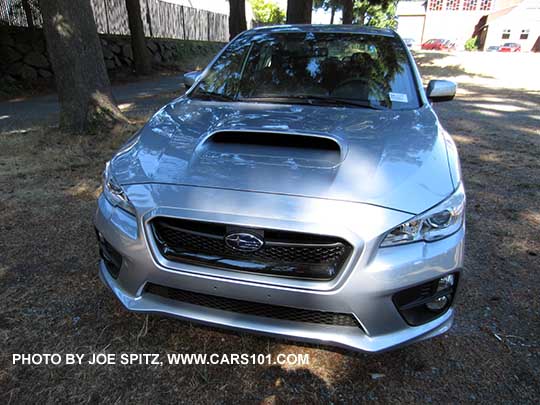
(332, 14)
(141, 56)
(149, 19)
(348, 11)
(299, 11)
(28, 12)
(237, 17)
(74, 49)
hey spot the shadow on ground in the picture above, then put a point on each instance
(432, 64)
(136, 99)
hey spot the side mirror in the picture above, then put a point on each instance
(441, 90)
(190, 78)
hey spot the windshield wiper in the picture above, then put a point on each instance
(348, 101)
(207, 95)
(313, 99)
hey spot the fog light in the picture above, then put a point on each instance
(437, 304)
(425, 302)
(444, 284)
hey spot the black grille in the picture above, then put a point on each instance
(284, 253)
(254, 308)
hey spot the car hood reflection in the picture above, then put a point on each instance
(391, 158)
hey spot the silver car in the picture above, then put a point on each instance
(303, 187)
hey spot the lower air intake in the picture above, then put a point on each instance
(254, 308)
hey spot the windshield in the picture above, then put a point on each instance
(314, 68)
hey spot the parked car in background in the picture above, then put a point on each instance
(409, 42)
(303, 187)
(510, 47)
(439, 45)
(429, 44)
(493, 48)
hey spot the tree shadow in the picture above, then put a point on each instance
(428, 63)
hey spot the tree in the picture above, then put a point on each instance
(28, 13)
(141, 56)
(237, 17)
(376, 13)
(267, 12)
(76, 58)
(348, 11)
(299, 11)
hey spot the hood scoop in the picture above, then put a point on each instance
(250, 148)
(394, 159)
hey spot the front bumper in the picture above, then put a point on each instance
(364, 288)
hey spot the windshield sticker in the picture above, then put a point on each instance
(399, 97)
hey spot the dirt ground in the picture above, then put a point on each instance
(53, 302)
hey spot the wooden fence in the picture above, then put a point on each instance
(160, 19)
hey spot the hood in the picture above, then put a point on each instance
(390, 158)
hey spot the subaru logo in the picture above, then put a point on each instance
(245, 242)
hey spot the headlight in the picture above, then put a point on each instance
(437, 223)
(114, 193)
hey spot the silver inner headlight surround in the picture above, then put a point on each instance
(114, 193)
(439, 222)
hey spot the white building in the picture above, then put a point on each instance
(519, 24)
(411, 20)
(493, 22)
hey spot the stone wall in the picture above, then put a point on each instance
(23, 56)
(24, 59)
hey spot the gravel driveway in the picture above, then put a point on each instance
(52, 300)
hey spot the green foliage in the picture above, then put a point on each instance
(267, 12)
(375, 13)
(471, 44)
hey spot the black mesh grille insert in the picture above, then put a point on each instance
(254, 308)
(284, 253)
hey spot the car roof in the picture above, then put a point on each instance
(328, 28)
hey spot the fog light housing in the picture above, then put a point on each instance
(111, 257)
(427, 301)
(444, 286)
